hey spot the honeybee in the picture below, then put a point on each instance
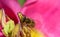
(26, 21)
(26, 24)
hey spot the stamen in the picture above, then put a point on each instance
(2, 17)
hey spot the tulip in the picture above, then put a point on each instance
(45, 13)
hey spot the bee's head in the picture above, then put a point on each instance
(21, 17)
(25, 20)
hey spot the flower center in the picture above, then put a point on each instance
(23, 29)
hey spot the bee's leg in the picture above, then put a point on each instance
(22, 33)
(28, 34)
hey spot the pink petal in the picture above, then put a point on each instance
(12, 8)
(46, 14)
(0, 5)
(29, 2)
(1, 34)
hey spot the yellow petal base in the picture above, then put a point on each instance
(35, 33)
